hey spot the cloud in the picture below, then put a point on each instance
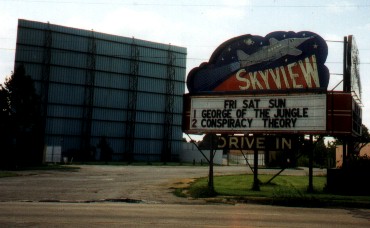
(365, 27)
(141, 24)
(227, 9)
(236, 3)
(7, 42)
(133, 20)
(340, 7)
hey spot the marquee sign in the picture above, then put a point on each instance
(256, 114)
(275, 84)
(278, 61)
(260, 142)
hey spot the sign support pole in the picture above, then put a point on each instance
(256, 186)
(310, 169)
(210, 175)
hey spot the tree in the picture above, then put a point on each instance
(5, 138)
(21, 110)
(357, 143)
(331, 149)
(320, 154)
(364, 138)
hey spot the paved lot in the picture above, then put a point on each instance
(94, 183)
(42, 199)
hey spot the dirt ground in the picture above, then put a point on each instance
(91, 183)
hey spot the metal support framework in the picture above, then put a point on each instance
(350, 57)
(168, 119)
(45, 75)
(132, 101)
(88, 97)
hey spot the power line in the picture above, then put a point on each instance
(335, 41)
(189, 4)
(13, 49)
(146, 56)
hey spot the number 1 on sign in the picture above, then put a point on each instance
(194, 121)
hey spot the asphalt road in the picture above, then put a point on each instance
(98, 195)
(17, 214)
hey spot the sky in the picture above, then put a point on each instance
(201, 26)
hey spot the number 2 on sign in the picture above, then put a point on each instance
(194, 121)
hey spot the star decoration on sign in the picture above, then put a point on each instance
(249, 41)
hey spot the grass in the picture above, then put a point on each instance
(55, 167)
(138, 163)
(283, 190)
(241, 185)
(7, 174)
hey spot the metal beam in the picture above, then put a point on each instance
(88, 98)
(45, 75)
(169, 106)
(131, 103)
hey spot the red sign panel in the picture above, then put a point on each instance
(344, 115)
(297, 75)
